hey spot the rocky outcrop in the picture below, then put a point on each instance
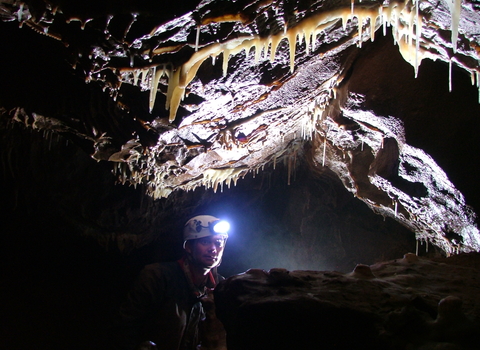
(408, 303)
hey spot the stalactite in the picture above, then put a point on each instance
(20, 13)
(450, 75)
(417, 36)
(478, 84)
(324, 150)
(455, 11)
(197, 38)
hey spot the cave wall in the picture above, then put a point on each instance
(439, 121)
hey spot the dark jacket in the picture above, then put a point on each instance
(161, 307)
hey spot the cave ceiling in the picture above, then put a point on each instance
(192, 94)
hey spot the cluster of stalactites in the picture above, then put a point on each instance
(315, 112)
(212, 178)
(404, 18)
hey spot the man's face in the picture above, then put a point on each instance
(207, 252)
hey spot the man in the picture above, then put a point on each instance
(164, 306)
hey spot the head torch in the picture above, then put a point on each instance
(203, 226)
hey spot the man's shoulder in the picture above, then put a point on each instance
(162, 267)
(220, 278)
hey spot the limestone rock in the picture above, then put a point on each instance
(409, 303)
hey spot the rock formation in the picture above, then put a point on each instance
(407, 303)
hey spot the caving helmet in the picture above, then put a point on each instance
(203, 226)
